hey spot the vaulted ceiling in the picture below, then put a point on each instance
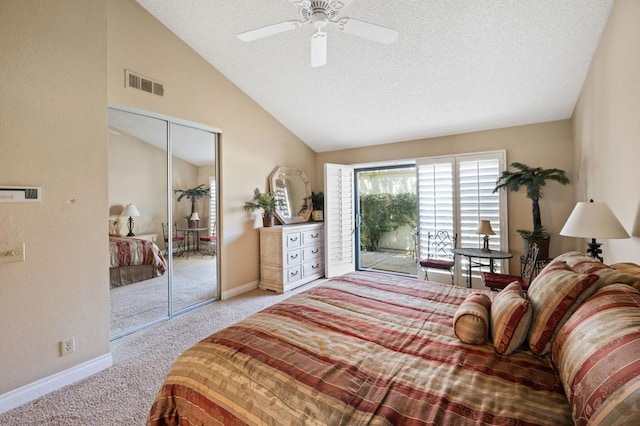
(456, 66)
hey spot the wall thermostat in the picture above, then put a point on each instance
(20, 194)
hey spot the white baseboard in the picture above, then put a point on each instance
(236, 291)
(27, 393)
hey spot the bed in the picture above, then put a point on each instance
(370, 348)
(132, 260)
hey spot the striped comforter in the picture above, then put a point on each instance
(360, 349)
(133, 252)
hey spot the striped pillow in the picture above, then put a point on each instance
(510, 319)
(629, 268)
(554, 295)
(583, 264)
(596, 353)
(471, 320)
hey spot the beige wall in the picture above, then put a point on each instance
(253, 142)
(61, 63)
(53, 100)
(607, 129)
(540, 145)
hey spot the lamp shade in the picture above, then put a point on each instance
(194, 216)
(484, 228)
(593, 220)
(130, 210)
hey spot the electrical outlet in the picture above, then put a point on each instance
(67, 346)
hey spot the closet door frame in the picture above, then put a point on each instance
(169, 203)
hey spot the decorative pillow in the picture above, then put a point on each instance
(584, 264)
(596, 355)
(554, 295)
(510, 319)
(629, 268)
(471, 320)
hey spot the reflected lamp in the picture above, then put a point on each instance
(131, 211)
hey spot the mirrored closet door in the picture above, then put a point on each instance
(162, 218)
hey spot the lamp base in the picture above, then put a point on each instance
(594, 249)
(485, 244)
(130, 225)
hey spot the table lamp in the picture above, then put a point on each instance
(131, 211)
(194, 219)
(593, 220)
(484, 227)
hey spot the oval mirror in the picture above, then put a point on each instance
(293, 189)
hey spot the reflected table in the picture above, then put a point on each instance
(192, 238)
(478, 253)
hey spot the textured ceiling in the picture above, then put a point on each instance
(457, 65)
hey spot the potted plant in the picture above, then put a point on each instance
(267, 201)
(193, 194)
(533, 179)
(317, 205)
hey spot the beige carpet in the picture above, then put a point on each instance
(123, 394)
(194, 281)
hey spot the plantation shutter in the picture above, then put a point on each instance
(436, 199)
(454, 194)
(339, 220)
(477, 178)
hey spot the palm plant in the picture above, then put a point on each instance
(267, 201)
(533, 179)
(193, 194)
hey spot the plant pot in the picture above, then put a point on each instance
(317, 215)
(543, 245)
(267, 221)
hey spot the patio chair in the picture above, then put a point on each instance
(497, 282)
(439, 253)
(177, 242)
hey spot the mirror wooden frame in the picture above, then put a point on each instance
(275, 181)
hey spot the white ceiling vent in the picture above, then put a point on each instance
(138, 81)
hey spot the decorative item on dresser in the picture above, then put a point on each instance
(291, 255)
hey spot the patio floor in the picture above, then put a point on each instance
(389, 261)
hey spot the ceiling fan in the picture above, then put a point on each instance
(320, 13)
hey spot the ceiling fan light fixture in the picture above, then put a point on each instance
(319, 13)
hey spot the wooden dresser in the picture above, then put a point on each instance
(291, 255)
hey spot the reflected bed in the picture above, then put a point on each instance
(132, 260)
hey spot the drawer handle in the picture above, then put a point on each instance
(316, 266)
(315, 251)
(293, 238)
(293, 256)
(314, 235)
(293, 274)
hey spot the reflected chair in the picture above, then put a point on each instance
(439, 253)
(497, 282)
(177, 242)
(210, 244)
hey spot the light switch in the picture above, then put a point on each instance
(13, 253)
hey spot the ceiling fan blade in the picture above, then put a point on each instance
(366, 30)
(318, 49)
(269, 30)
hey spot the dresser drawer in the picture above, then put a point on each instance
(293, 239)
(294, 274)
(294, 257)
(311, 252)
(311, 237)
(313, 268)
